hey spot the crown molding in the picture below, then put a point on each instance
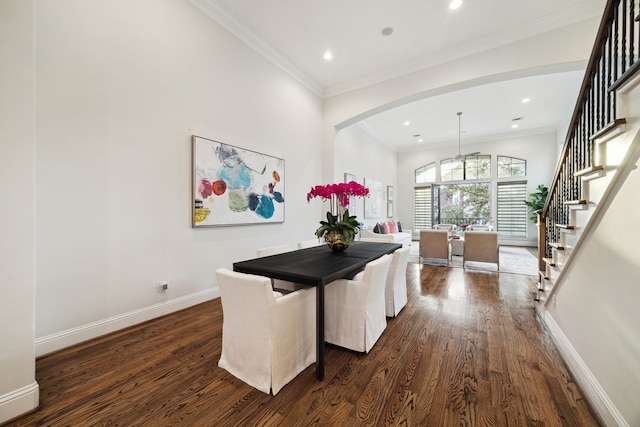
(222, 18)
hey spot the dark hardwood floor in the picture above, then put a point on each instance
(467, 350)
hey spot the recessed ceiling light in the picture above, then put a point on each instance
(455, 4)
(407, 123)
(525, 100)
(328, 56)
(420, 140)
(387, 31)
(515, 125)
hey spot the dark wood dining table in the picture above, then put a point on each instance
(317, 266)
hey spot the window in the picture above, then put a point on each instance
(470, 167)
(451, 170)
(477, 167)
(462, 204)
(512, 212)
(422, 208)
(426, 174)
(459, 202)
(511, 166)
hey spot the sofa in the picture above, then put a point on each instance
(391, 232)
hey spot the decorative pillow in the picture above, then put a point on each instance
(393, 227)
(376, 229)
(381, 228)
(385, 227)
(399, 227)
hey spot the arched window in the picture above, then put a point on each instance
(426, 173)
(511, 166)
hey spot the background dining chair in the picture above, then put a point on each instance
(309, 243)
(451, 228)
(267, 338)
(280, 285)
(355, 314)
(481, 246)
(434, 244)
(395, 294)
(274, 250)
(479, 227)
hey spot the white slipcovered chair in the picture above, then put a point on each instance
(451, 228)
(355, 315)
(481, 246)
(274, 250)
(434, 244)
(309, 243)
(267, 338)
(280, 285)
(479, 227)
(396, 287)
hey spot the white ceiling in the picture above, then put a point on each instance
(294, 34)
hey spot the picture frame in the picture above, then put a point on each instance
(389, 209)
(389, 193)
(235, 186)
(373, 203)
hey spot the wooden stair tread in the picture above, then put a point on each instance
(543, 274)
(608, 128)
(566, 226)
(576, 202)
(587, 171)
(549, 261)
(556, 245)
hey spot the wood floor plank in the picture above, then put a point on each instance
(467, 349)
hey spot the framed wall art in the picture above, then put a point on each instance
(373, 203)
(235, 186)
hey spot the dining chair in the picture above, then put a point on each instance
(309, 243)
(481, 246)
(267, 338)
(280, 285)
(395, 293)
(434, 244)
(451, 228)
(355, 315)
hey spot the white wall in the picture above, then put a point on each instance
(538, 150)
(18, 387)
(358, 153)
(122, 86)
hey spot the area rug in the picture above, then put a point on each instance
(513, 259)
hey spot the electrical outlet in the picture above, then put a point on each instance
(164, 286)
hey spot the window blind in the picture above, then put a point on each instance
(512, 212)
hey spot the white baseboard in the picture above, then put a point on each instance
(60, 340)
(19, 402)
(596, 396)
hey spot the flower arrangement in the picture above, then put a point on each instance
(339, 227)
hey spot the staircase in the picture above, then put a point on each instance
(594, 148)
(595, 185)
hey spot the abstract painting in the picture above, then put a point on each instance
(235, 186)
(373, 203)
